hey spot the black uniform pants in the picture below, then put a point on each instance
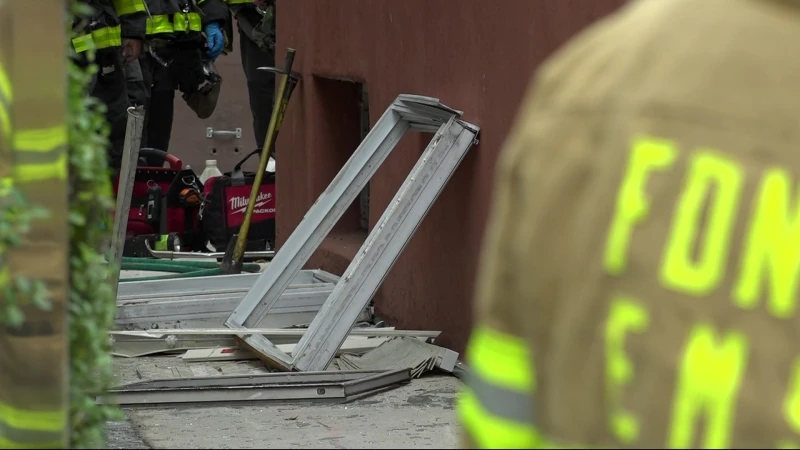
(185, 73)
(111, 89)
(260, 84)
(159, 106)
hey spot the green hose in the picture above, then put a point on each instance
(180, 269)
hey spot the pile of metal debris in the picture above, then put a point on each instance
(340, 352)
(186, 326)
(401, 353)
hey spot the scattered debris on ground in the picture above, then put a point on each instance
(123, 435)
(299, 335)
(163, 317)
(419, 414)
(189, 352)
(401, 353)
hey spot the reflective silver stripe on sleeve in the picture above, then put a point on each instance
(28, 157)
(500, 402)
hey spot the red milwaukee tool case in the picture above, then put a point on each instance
(224, 205)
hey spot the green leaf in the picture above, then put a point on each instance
(91, 306)
(13, 316)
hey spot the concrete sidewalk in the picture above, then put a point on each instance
(417, 415)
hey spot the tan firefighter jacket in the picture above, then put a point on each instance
(34, 388)
(639, 283)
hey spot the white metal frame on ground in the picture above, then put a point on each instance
(272, 387)
(214, 297)
(452, 139)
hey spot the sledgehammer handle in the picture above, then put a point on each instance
(232, 262)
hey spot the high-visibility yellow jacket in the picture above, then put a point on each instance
(113, 21)
(639, 283)
(182, 16)
(40, 154)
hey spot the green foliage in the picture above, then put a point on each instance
(16, 215)
(91, 302)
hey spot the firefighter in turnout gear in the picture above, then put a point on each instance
(183, 39)
(639, 284)
(34, 386)
(256, 23)
(116, 31)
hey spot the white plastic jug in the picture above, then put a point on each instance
(210, 171)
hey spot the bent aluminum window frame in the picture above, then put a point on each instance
(341, 386)
(452, 140)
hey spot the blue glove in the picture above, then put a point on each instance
(215, 40)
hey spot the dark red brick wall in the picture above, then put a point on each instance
(476, 56)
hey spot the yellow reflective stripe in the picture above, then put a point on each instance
(195, 22)
(5, 122)
(43, 140)
(102, 38)
(159, 24)
(499, 363)
(501, 359)
(488, 431)
(23, 419)
(83, 43)
(27, 438)
(123, 7)
(191, 20)
(178, 23)
(58, 170)
(41, 154)
(37, 144)
(181, 22)
(107, 37)
(6, 183)
(5, 106)
(5, 85)
(8, 443)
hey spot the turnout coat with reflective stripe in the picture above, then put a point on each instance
(112, 21)
(643, 256)
(182, 16)
(34, 389)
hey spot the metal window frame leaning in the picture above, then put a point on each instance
(337, 386)
(453, 138)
